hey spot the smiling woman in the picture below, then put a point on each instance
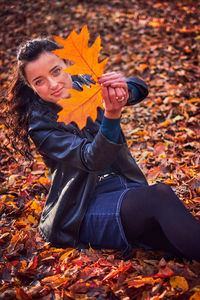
(49, 81)
(99, 197)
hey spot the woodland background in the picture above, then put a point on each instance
(159, 42)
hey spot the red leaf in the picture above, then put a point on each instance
(121, 269)
(33, 263)
(21, 294)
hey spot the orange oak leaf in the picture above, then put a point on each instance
(85, 58)
(81, 105)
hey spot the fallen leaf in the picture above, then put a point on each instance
(195, 296)
(122, 268)
(140, 281)
(179, 282)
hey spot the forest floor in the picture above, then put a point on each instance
(157, 41)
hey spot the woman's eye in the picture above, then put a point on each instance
(38, 82)
(56, 71)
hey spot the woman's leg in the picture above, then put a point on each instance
(155, 215)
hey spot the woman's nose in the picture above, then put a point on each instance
(53, 83)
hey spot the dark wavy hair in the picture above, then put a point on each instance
(21, 96)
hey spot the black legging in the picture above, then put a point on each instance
(155, 216)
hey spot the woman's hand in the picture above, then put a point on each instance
(115, 94)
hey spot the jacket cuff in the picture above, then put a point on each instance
(137, 90)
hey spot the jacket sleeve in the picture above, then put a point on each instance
(137, 89)
(62, 145)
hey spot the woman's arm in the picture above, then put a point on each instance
(130, 91)
(67, 146)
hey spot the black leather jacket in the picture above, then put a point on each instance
(75, 158)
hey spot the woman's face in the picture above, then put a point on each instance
(46, 77)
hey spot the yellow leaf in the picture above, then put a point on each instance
(195, 296)
(141, 133)
(140, 281)
(82, 104)
(154, 24)
(21, 224)
(193, 100)
(142, 67)
(69, 253)
(36, 207)
(43, 180)
(179, 282)
(32, 219)
(165, 123)
(22, 266)
(170, 181)
(86, 59)
(129, 143)
(192, 172)
(158, 4)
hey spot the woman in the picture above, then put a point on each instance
(99, 197)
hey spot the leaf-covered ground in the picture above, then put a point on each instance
(158, 41)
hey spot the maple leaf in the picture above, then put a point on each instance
(82, 104)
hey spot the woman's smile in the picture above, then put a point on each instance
(58, 92)
(46, 77)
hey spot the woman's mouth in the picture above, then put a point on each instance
(58, 92)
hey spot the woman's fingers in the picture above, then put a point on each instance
(122, 95)
(111, 78)
(119, 84)
(106, 76)
(109, 96)
(113, 98)
(114, 92)
(111, 104)
(105, 95)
